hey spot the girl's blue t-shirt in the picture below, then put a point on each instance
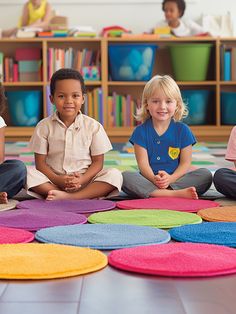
(163, 151)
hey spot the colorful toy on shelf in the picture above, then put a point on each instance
(114, 31)
(162, 31)
(91, 73)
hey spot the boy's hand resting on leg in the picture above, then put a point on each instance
(73, 182)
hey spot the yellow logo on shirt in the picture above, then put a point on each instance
(173, 152)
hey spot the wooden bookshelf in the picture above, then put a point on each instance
(214, 131)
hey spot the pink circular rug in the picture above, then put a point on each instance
(34, 220)
(75, 206)
(11, 235)
(172, 203)
(176, 259)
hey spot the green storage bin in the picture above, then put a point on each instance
(190, 61)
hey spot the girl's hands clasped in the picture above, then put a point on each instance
(162, 180)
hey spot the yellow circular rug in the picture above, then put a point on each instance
(45, 261)
(226, 214)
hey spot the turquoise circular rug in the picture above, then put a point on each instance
(222, 233)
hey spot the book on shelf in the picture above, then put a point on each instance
(82, 31)
(233, 63)
(1, 66)
(28, 32)
(227, 65)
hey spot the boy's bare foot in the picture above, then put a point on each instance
(3, 198)
(185, 193)
(54, 195)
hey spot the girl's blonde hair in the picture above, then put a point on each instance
(166, 85)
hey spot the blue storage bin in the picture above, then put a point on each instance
(228, 107)
(131, 62)
(25, 107)
(197, 102)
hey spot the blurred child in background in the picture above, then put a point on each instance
(12, 172)
(174, 11)
(225, 179)
(35, 13)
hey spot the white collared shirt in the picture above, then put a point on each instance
(69, 149)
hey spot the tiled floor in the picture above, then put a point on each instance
(111, 291)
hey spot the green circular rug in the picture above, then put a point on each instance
(152, 218)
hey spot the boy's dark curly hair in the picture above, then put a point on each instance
(180, 4)
(2, 99)
(66, 74)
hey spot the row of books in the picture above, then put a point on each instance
(19, 71)
(121, 110)
(228, 63)
(71, 58)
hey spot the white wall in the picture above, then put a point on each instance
(137, 17)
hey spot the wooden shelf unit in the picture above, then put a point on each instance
(162, 65)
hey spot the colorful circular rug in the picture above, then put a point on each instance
(33, 220)
(151, 218)
(75, 206)
(102, 236)
(172, 203)
(12, 235)
(176, 259)
(221, 233)
(46, 261)
(10, 205)
(226, 213)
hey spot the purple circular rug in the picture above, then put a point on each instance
(75, 206)
(34, 220)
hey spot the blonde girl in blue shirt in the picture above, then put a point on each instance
(163, 147)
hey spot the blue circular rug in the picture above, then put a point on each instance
(103, 236)
(222, 233)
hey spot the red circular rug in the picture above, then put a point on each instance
(172, 203)
(12, 235)
(176, 259)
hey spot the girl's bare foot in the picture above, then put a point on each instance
(54, 195)
(185, 193)
(3, 198)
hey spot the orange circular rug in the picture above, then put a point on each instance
(47, 261)
(226, 213)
